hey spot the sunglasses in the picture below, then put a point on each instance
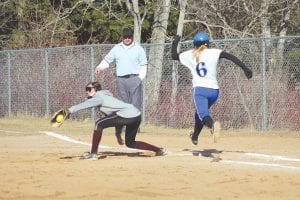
(127, 37)
(88, 89)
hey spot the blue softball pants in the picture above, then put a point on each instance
(204, 98)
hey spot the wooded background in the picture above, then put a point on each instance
(49, 49)
(52, 23)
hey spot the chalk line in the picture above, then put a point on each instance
(65, 138)
(6, 131)
(68, 139)
(272, 157)
(259, 164)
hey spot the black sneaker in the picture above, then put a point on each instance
(194, 141)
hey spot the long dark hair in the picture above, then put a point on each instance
(95, 85)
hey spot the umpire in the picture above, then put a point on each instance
(131, 66)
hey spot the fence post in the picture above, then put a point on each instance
(9, 84)
(92, 75)
(46, 82)
(264, 86)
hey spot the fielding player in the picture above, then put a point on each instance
(202, 63)
(118, 113)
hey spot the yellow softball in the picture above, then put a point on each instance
(59, 118)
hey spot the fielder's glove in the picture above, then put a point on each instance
(59, 117)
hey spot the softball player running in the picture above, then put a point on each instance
(202, 62)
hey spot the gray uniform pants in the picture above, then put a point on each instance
(129, 90)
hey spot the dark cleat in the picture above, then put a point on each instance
(194, 141)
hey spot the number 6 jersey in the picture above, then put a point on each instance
(204, 73)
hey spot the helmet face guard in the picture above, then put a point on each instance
(200, 39)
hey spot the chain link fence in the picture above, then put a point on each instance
(38, 82)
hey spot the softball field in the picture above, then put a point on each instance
(41, 162)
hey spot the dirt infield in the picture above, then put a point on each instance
(34, 165)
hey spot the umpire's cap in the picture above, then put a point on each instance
(127, 32)
(201, 38)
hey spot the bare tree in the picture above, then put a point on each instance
(181, 18)
(241, 18)
(284, 22)
(133, 7)
(182, 7)
(156, 53)
(265, 18)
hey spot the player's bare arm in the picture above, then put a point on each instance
(103, 65)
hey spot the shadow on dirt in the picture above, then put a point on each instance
(104, 154)
(205, 152)
(128, 154)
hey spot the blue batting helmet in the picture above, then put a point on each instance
(201, 38)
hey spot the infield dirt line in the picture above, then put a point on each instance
(272, 157)
(172, 153)
(6, 131)
(261, 164)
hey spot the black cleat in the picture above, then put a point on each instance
(194, 141)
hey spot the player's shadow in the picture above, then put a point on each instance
(211, 153)
(104, 154)
(128, 154)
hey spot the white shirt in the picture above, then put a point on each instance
(205, 72)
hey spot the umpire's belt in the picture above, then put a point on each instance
(128, 76)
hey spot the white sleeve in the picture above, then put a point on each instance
(103, 65)
(143, 72)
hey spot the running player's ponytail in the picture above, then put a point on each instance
(197, 52)
(201, 42)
